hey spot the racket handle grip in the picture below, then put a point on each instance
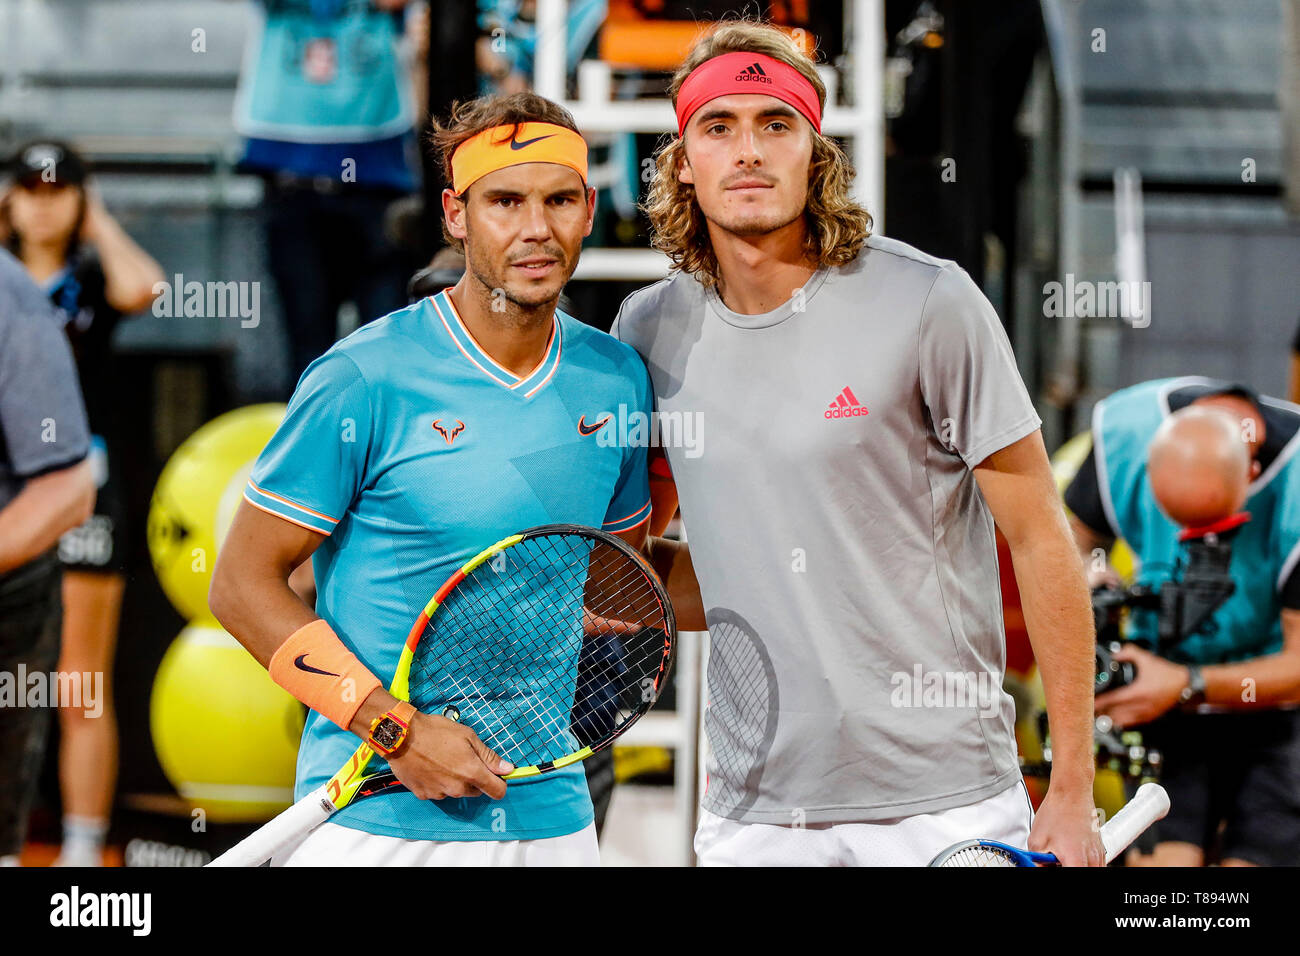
(1148, 805)
(280, 832)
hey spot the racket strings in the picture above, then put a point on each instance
(979, 856)
(619, 599)
(551, 645)
(507, 671)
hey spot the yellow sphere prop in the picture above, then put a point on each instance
(195, 501)
(226, 735)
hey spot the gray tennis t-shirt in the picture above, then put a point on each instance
(822, 454)
(42, 419)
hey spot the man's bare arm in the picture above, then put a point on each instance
(303, 583)
(672, 562)
(1262, 682)
(130, 273)
(42, 511)
(252, 598)
(1256, 684)
(250, 593)
(663, 494)
(1017, 485)
(672, 559)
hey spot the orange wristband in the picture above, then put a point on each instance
(316, 668)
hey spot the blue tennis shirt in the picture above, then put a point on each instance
(411, 450)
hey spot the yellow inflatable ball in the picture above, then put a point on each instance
(226, 735)
(195, 501)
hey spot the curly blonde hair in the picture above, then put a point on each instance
(837, 226)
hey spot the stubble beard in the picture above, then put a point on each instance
(759, 225)
(519, 314)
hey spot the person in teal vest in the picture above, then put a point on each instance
(1221, 704)
(326, 105)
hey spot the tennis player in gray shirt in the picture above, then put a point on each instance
(843, 422)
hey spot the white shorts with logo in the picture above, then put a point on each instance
(334, 845)
(906, 841)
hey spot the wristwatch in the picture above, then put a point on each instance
(388, 732)
(1194, 692)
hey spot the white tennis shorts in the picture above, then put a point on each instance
(334, 845)
(906, 841)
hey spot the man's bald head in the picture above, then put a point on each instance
(1245, 411)
(1199, 465)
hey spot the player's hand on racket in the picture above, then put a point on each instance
(543, 647)
(1066, 825)
(442, 758)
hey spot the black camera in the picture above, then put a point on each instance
(1184, 605)
(1111, 674)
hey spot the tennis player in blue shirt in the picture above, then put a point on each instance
(407, 448)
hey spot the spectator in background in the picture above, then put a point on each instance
(508, 48)
(326, 105)
(1220, 704)
(95, 274)
(506, 55)
(46, 488)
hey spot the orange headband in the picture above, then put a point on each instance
(512, 144)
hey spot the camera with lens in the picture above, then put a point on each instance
(1183, 605)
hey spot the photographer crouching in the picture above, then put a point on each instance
(1201, 479)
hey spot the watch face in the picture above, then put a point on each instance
(387, 733)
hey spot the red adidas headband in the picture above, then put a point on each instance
(746, 73)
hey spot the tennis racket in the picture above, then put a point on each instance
(548, 645)
(1148, 805)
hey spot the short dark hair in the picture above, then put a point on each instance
(1239, 389)
(471, 117)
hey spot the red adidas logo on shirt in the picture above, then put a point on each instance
(846, 405)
